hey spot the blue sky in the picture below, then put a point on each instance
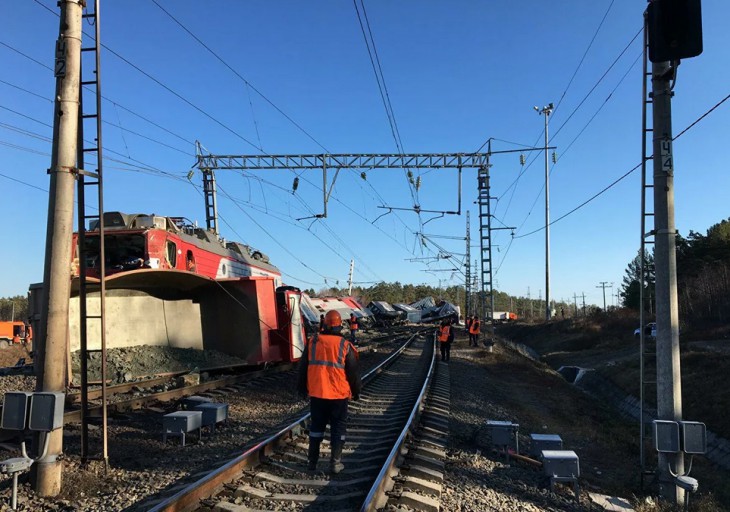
(456, 72)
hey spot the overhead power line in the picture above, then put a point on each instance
(620, 178)
(241, 77)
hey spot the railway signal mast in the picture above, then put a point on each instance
(673, 31)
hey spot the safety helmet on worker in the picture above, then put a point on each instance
(333, 319)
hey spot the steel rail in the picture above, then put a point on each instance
(161, 378)
(374, 498)
(166, 396)
(188, 498)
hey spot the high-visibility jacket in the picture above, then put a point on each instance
(326, 377)
(353, 323)
(444, 333)
(474, 327)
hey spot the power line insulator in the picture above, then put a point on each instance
(522, 159)
(364, 176)
(295, 185)
(555, 157)
(191, 173)
(418, 183)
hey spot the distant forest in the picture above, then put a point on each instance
(703, 277)
(14, 308)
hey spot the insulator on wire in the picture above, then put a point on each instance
(363, 175)
(409, 174)
(555, 157)
(418, 183)
(522, 159)
(295, 185)
(191, 173)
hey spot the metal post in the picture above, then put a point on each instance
(546, 111)
(349, 279)
(467, 269)
(669, 383)
(56, 280)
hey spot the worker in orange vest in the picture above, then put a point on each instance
(445, 337)
(474, 332)
(353, 328)
(329, 374)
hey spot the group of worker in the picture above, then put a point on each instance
(330, 376)
(445, 335)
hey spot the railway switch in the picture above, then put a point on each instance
(540, 442)
(180, 423)
(15, 410)
(213, 413)
(562, 466)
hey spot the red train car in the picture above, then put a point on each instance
(170, 283)
(135, 241)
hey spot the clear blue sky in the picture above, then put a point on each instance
(456, 73)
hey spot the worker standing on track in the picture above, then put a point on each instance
(353, 328)
(329, 374)
(474, 332)
(446, 336)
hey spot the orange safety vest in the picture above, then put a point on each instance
(474, 327)
(353, 323)
(326, 371)
(444, 333)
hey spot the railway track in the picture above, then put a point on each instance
(390, 426)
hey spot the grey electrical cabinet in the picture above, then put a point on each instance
(46, 411)
(15, 410)
(540, 442)
(694, 437)
(666, 436)
(561, 464)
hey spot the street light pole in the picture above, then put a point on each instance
(546, 111)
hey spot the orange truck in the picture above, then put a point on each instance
(11, 332)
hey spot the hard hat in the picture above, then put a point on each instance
(333, 319)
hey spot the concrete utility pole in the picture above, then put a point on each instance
(53, 334)
(349, 279)
(669, 381)
(575, 301)
(546, 111)
(603, 285)
(584, 303)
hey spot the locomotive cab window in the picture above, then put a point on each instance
(171, 254)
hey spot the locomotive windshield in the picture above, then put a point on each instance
(122, 252)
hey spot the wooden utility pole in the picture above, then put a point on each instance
(53, 334)
(603, 285)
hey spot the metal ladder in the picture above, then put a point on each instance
(90, 209)
(467, 269)
(485, 240)
(647, 352)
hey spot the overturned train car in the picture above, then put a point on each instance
(170, 283)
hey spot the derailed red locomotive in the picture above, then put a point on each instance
(170, 283)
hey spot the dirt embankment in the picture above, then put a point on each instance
(608, 345)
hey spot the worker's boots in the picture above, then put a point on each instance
(313, 455)
(336, 464)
